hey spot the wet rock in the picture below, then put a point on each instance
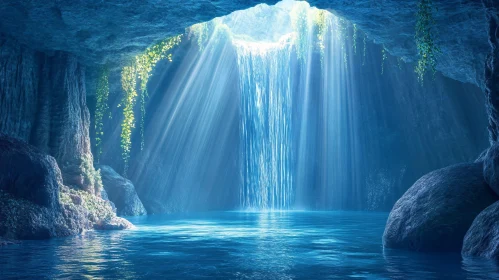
(35, 205)
(482, 155)
(491, 168)
(115, 223)
(482, 239)
(84, 28)
(28, 174)
(122, 193)
(436, 212)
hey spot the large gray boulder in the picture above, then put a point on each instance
(122, 193)
(491, 167)
(437, 211)
(35, 205)
(482, 239)
(27, 173)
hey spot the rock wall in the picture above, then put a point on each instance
(113, 31)
(43, 102)
(492, 70)
(19, 76)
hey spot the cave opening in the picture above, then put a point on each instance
(250, 140)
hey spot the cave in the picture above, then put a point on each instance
(249, 139)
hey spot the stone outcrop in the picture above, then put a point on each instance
(29, 174)
(437, 211)
(35, 205)
(492, 69)
(43, 102)
(482, 239)
(84, 28)
(122, 193)
(491, 167)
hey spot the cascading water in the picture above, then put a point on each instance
(266, 139)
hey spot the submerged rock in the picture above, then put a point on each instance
(122, 193)
(482, 239)
(436, 212)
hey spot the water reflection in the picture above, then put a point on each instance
(237, 245)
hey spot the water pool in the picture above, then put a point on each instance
(236, 245)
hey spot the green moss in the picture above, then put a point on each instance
(101, 110)
(321, 27)
(300, 26)
(139, 71)
(91, 176)
(425, 40)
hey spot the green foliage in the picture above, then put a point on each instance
(425, 40)
(102, 96)
(129, 83)
(320, 23)
(200, 31)
(140, 70)
(300, 25)
(91, 177)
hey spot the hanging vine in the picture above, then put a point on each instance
(128, 82)
(200, 31)
(320, 23)
(425, 40)
(140, 70)
(101, 109)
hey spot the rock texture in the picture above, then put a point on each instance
(122, 193)
(43, 102)
(436, 212)
(29, 174)
(35, 205)
(491, 167)
(482, 239)
(492, 69)
(112, 31)
(18, 88)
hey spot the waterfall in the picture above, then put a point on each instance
(266, 140)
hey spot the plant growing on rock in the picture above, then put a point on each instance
(425, 40)
(320, 23)
(102, 96)
(140, 70)
(300, 26)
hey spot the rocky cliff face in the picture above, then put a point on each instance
(492, 69)
(43, 102)
(19, 77)
(113, 31)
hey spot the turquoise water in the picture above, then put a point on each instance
(236, 245)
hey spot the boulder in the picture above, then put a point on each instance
(35, 205)
(491, 167)
(482, 239)
(28, 174)
(122, 193)
(115, 223)
(437, 211)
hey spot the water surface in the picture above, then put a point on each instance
(236, 245)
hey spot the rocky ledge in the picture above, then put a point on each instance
(34, 204)
(452, 209)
